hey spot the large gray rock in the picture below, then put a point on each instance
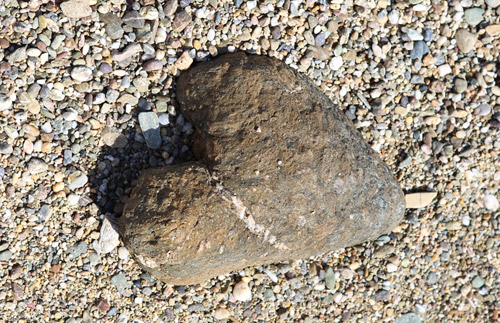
(282, 174)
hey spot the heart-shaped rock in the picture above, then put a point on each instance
(282, 174)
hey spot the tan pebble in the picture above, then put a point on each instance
(46, 147)
(493, 30)
(401, 111)
(76, 8)
(184, 62)
(58, 187)
(221, 314)
(428, 60)
(33, 107)
(196, 44)
(460, 114)
(212, 50)
(30, 130)
(419, 200)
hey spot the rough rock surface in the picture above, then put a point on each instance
(282, 174)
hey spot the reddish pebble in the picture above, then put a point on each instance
(103, 306)
(153, 65)
(4, 43)
(41, 46)
(5, 67)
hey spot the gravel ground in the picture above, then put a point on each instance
(417, 78)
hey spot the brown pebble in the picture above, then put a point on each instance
(181, 21)
(103, 306)
(4, 43)
(5, 67)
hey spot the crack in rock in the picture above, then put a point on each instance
(247, 217)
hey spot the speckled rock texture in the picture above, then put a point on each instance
(281, 174)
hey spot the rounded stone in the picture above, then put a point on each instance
(282, 174)
(242, 292)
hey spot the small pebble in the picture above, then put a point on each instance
(221, 314)
(466, 40)
(81, 73)
(241, 292)
(491, 202)
(150, 127)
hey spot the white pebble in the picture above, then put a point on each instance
(491, 202)
(391, 268)
(123, 253)
(444, 70)
(211, 35)
(77, 180)
(164, 119)
(73, 199)
(241, 292)
(70, 115)
(251, 4)
(336, 63)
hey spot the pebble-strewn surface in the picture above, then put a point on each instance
(86, 102)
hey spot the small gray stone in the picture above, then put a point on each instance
(81, 73)
(45, 212)
(108, 238)
(170, 7)
(417, 79)
(5, 103)
(414, 35)
(477, 282)
(77, 249)
(5, 148)
(5, 255)
(268, 294)
(122, 284)
(134, 19)
(94, 259)
(150, 126)
(409, 318)
(70, 114)
(164, 119)
(432, 278)
(320, 39)
(381, 295)
(37, 166)
(466, 41)
(483, 110)
(474, 16)
(105, 68)
(112, 95)
(18, 55)
(78, 180)
(330, 279)
(420, 48)
(195, 308)
(114, 31)
(57, 41)
(460, 85)
(181, 21)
